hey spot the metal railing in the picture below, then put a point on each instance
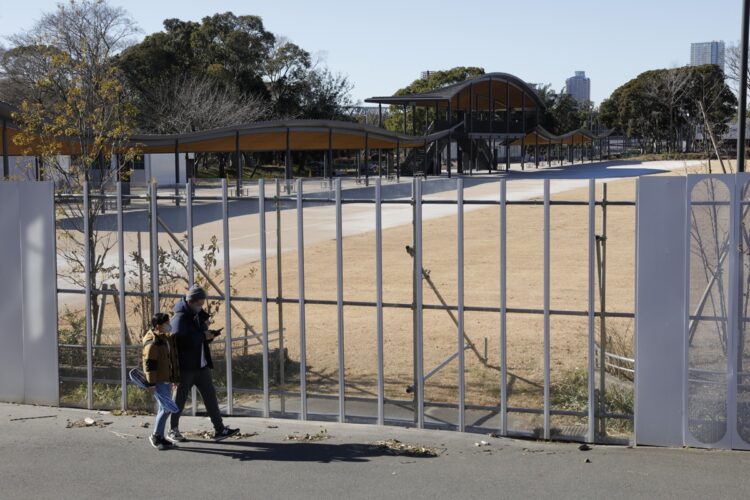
(595, 413)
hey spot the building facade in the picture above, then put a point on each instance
(707, 53)
(579, 86)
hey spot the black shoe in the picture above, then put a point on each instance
(225, 433)
(168, 444)
(157, 442)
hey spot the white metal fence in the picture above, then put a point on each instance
(276, 397)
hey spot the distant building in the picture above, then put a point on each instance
(579, 86)
(707, 53)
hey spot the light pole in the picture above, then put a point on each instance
(743, 89)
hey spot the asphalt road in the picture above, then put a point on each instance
(41, 458)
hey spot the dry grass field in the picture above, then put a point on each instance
(525, 290)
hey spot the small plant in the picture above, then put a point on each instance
(74, 332)
(571, 393)
(107, 396)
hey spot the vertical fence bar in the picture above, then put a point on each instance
(546, 312)
(87, 307)
(415, 280)
(591, 434)
(340, 302)
(503, 312)
(264, 293)
(603, 317)
(301, 285)
(419, 345)
(121, 298)
(279, 295)
(379, 298)
(460, 335)
(154, 257)
(227, 296)
(191, 264)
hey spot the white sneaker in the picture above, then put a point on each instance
(174, 436)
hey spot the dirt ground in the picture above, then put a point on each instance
(568, 283)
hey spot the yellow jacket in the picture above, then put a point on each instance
(160, 363)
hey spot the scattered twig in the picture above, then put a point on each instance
(123, 435)
(31, 418)
(318, 436)
(396, 447)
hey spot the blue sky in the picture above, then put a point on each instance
(383, 45)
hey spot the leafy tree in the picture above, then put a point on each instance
(661, 106)
(435, 80)
(73, 100)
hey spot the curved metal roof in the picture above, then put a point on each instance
(298, 135)
(449, 92)
(540, 135)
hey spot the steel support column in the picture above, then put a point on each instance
(6, 167)
(176, 172)
(238, 161)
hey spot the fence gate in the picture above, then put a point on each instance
(717, 388)
(692, 294)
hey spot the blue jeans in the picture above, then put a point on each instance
(161, 417)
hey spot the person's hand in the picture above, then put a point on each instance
(209, 335)
(152, 389)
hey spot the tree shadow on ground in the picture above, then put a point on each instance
(293, 451)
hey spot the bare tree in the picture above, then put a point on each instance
(733, 66)
(668, 89)
(74, 112)
(193, 103)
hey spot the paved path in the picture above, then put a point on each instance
(41, 459)
(357, 218)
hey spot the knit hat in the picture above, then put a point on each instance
(195, 292)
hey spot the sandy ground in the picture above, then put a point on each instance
(525, 285)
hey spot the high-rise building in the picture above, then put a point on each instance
(707, 53)
(579, 86)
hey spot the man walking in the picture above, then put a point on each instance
(190, 329)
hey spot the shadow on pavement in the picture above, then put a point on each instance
(293, 451)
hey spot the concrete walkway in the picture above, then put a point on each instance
(357, 218)
(44, 459)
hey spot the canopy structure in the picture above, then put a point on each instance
(279, 135)
(492, 91)
(494, 106)
(540, 136)
(282, 135)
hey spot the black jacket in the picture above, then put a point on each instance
(189, 330)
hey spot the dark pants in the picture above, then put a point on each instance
(202, 380)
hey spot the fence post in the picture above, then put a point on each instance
(121, 297)
(503, 312)
(591, 434)
(279, 295)
(418, 302)
(191, 265)
(87, 307)
(227, 297)
(379, 298)
(154, 257)
(546, 311)
(460, 293)
(301, 286)
(340, 303)
(264, 293)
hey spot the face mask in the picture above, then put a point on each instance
(167, 328)
(196, 309)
